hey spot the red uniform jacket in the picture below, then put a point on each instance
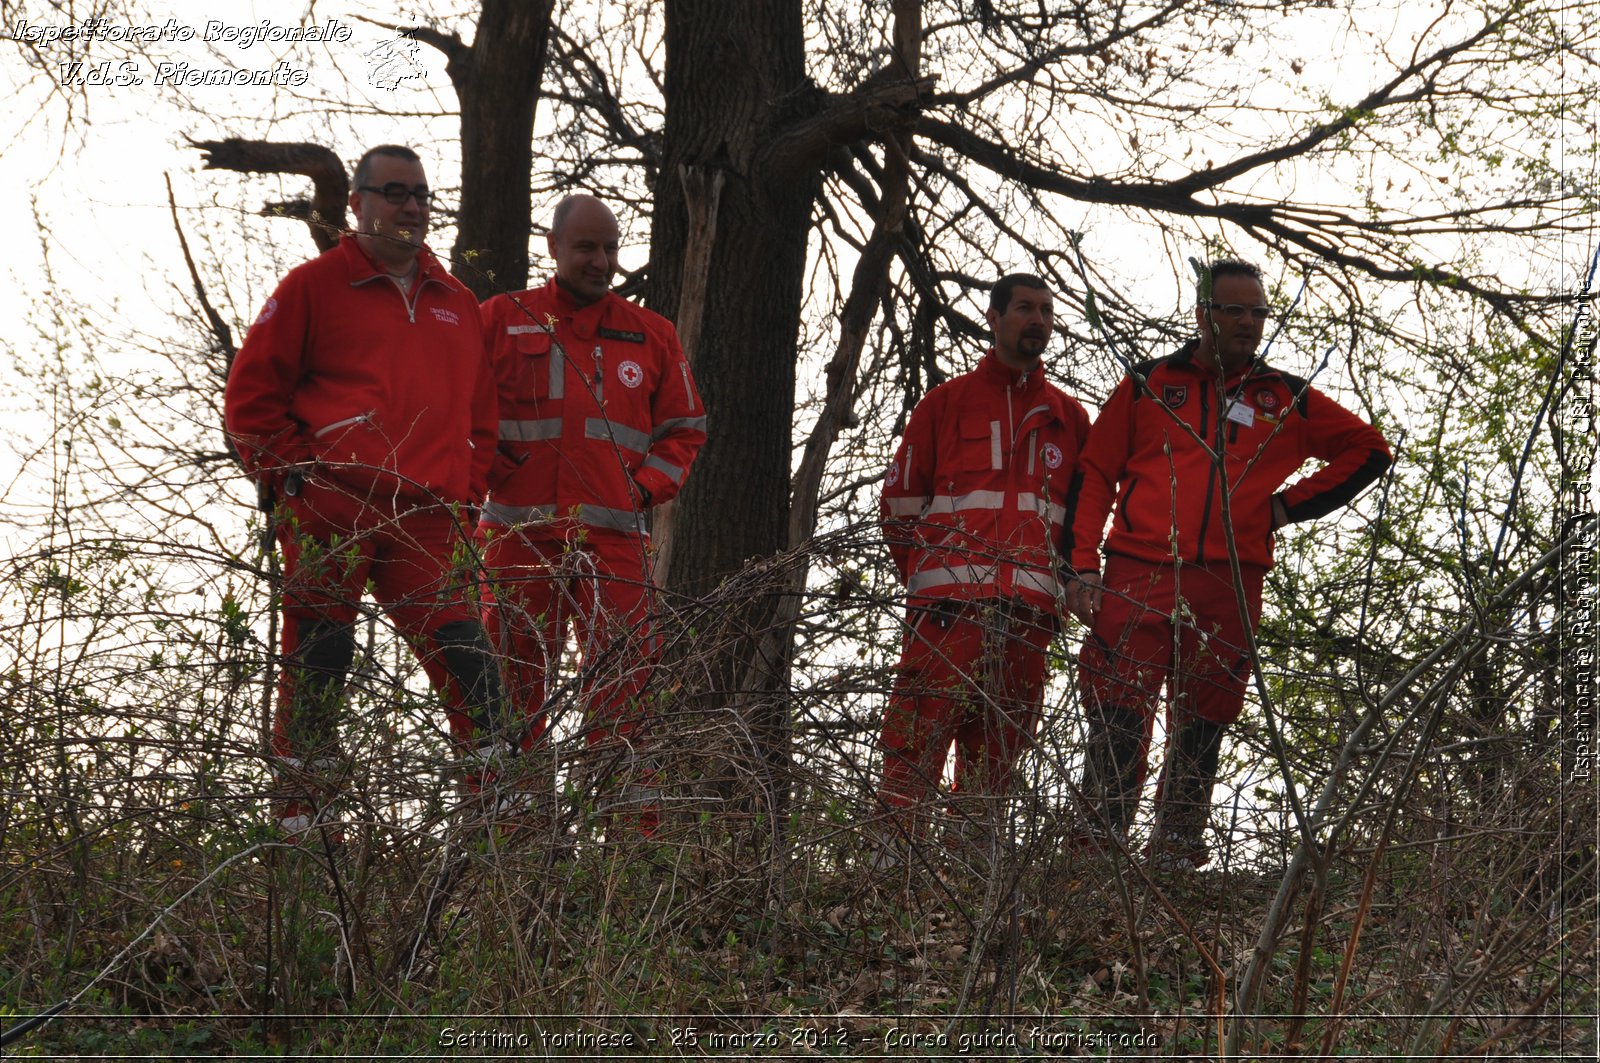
(390, 394)
(973, 504)
(599, 416)
(1170, 505)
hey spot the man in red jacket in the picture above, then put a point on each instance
(362, 405)
(972, 510)
(1166, 610)
(599, 421)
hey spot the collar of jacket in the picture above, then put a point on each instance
(1183, 358)
(362, 268)
(586, 320)
(998, 373)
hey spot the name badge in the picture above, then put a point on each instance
(1239, 413)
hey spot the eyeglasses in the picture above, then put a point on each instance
(397, 192)
(1239, 310)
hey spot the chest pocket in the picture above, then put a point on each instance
(537, 366)
(1266, 407)
(980, 449)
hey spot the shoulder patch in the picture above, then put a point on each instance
(621, 334)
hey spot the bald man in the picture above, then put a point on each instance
(599, 421)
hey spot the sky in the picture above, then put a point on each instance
(97, 183)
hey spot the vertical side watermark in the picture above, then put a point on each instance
(1577, 636)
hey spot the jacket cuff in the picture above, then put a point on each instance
(656, 485)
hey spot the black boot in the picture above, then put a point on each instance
(1112, 771)
(1179, 837)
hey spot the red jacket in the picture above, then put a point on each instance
(391, 395)
(599, 416)
(973, 504)
(1166, 503)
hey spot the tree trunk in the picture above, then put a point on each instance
(735, 77)
(497, 81)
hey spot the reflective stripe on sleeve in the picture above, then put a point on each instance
(905, 507)
(1029, 579)
(671, 471)
(529, 431)
(510, 516)
(625, 437)
(967, 575)
(624, 520)
(970, 500)
(951, 575)
(1028, 502)
(674, 424)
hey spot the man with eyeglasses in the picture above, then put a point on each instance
(1166, 610)
(363, 406)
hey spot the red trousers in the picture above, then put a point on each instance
(1136, 647)
(333, 545)
(544, 582)
(1163, 625)
(971, 673)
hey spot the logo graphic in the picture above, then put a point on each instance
(449, 317)
(267, 311)
(893, 476)
(1052, 456)
(394, 61)
(630, 374)
(1174, 395)
(1267, 399)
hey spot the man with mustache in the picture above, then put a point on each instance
(972, 511)
(1166, 610)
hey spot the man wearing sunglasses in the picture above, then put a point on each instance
(1166, 610)
(363, 406)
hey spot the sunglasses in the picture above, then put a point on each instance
(397, 192)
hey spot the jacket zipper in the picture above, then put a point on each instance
(1009, 498)
(409, 301)
(599, 374)
(1211, 476)
(416, 294)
